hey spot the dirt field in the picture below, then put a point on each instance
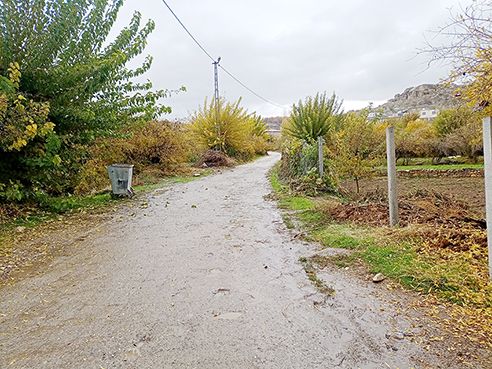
(469, 190)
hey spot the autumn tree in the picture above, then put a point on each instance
(415, 138)
(66, 59)
(460, 132)
(466, 43)
(355, 147)
(70, 73)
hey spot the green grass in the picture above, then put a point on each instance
(277, 185)
(382, 251)
(49, 207)
(339, 236)
(296, 203)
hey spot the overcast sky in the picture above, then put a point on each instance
(365, 51)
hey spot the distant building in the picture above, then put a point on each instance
(429, 114)
(274, 132)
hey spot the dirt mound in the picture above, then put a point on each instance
(212, 158)
(448, 221)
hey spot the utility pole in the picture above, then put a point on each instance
(217, 95)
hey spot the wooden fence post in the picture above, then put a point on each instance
(392, 192)
(487, 157)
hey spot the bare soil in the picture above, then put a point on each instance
(469, 190)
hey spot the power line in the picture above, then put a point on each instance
(250, 90)
(188, 32)
(217, 62)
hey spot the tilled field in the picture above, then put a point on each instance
(469, 190)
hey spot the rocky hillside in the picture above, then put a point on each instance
(414, 99)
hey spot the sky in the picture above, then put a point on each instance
(364, 51)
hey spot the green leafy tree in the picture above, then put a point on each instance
(314, 117)
(28, 144)
(66, 59)
(355, 148)
(449, 120)
(71, 74)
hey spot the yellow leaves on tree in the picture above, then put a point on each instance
(22, 120)
(478, 92)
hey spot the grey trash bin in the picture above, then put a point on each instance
(121, 179)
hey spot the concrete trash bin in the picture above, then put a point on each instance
(121, 179)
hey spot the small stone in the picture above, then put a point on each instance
(399, 336)
(196, 175)
(20, 229)
(378, 278)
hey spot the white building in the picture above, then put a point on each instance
(429, 114)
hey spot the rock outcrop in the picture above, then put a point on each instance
(426, 96)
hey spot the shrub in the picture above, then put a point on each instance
(29, 148)
(314, 117)
(299, 168)
(233, 131)
(160, 147)
(355, 148)
(65, 84)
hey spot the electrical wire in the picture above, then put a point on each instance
(214, 61)
(249, 89)
(187, 31)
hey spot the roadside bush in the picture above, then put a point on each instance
(63, 85)
(160, 147)
(29, 147)
(233, 131)
(314, 117)
(299, 168)
(318, 116)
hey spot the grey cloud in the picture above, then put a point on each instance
(285, 50)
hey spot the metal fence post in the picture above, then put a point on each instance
(487, 157)
(392, 192)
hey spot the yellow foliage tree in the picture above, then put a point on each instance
(21, 119)
(355, 148)
(229, 128)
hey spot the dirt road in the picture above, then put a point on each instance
(204, 276)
